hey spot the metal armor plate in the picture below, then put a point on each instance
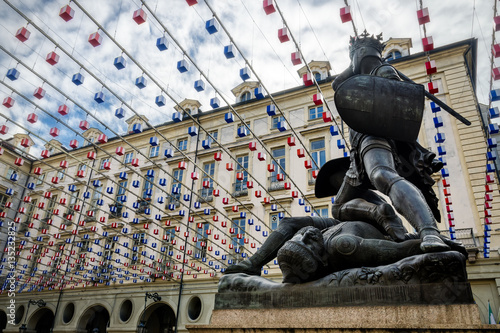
(381, 107)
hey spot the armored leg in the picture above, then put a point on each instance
(267, 252)
(352, 204)
(405, 197)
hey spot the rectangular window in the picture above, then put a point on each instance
(240, 186)
(202, 237)
(50, 207)
(104, 160)
(154, 151)
(209, 170)
(96, 196)
(318, 153)
(147, 190)
(279, 163)
(182, 144)
(10, 172)
(82, 167)
(275, 120)
(3, 200)
(122, 188)
(73, 198)
(176, 183)
(29, 216)
(61, 173)
(40, 179)
(321, 211)
(239, 228)
(316, 113)
(274, 221)
(137, 248)
(128, 158)
(214, 134)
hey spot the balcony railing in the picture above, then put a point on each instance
(469, 241)
(206, 194)
(275, 184)
(240, 189)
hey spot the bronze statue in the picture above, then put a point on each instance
(387, 159)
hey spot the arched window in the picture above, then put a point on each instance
(393, 54)
(317, 76)
(246, 96)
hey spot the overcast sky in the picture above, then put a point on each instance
(315, 24)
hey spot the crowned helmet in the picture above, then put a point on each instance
(365, 40)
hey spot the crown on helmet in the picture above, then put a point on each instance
(365, 40)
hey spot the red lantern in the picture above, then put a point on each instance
(73, 144)
(95, 39)
(54, 131)
(91, 155)
(106, 166)
(249, 184)
(433, 87)
(252, 145)
(25, 142)
(218, 156)
(84, 125)
(195, 175)
(102, 138)
(271, 167)
(308, 164)
(430, 67)
(63, 164)
(300, 152)
(52, 58)
(423, 16)
(135, 162)
(120, 151)
(261, 156)
(345, 14)
(39, 93)
(32, 118)
(428, 44)
(318, 99)
(182, 165)
(23, 34)
(45, 153)
(327, 117)
(66, 13)
(8, 102)
(307, 79)
(229, 167)
(139, 16)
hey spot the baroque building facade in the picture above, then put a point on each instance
(135, 230)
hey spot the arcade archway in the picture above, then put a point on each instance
(159, 317)
(41, 321)
(3, 321)
(94, 317)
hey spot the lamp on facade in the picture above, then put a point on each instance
(141, 328)
(40, 303)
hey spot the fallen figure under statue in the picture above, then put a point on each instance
(354, 254)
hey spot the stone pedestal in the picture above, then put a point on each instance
(412, 308)
(392, 318)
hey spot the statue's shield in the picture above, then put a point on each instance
(381, 107)
(330, 177)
